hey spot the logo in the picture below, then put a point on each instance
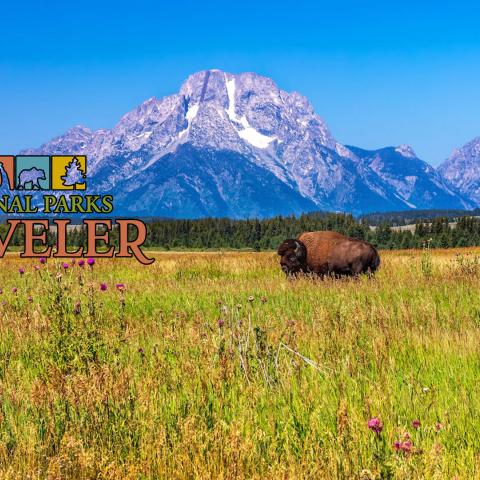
(27, 174)
(42, 172)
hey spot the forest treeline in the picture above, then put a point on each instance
(267, 234)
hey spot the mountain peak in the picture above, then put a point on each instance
(406, 151)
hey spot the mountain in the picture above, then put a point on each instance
(416, 182)
(462, 169)
(238, 146)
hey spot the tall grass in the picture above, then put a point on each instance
(214, 365)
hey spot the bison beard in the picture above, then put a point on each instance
(327, 253)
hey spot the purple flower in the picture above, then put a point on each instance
(438, 426)
(65, 265)
(21, 270)
(14, 289)
(120, 286)
(103, 286)
(397, 446)
(43, 260)
(81, 262)
(221, 322)
(91, 262)
(30, 299)
(416, 424)
(375, 425)
(73, 262)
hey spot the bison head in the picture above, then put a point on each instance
(293, 256)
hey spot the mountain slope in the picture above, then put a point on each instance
(237, 145)
(462, 169)
(414, 181)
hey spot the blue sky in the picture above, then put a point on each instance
(378, 73)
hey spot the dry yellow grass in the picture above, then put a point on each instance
(213, 365)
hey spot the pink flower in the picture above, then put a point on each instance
(120, 286)
(91, 262)
(14, 290)
(404, 447)
(103, 286)
(407, 447)
(81, 262)
(438, 426)
(375, 425)
(220, 322)
(416, 424)
(65, 265)
(43, 260)
(21, 270)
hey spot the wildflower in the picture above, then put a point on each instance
(21, 270)
(1, 291)
(238, 306)
(36, 267)
(65, 265)
(416, 424)
(221, 322)
(425, 389)
(103, 286)
(59, 276)
(120, 286)
(30, 299)
(375, 425)
(14, 290)
(438, 426)
(43, 260)
(91, 262)
(72, 263)
(263, 299)
(81, 262)
(250, 298)
(406, 447)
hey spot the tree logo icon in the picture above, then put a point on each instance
(69, 172)
(74, 174)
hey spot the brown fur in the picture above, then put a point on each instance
(328, 253)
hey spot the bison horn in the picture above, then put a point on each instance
(297, 247)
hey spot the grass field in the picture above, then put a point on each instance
(213, 365)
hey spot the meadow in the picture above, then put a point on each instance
(214, 365)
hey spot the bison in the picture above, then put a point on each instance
(327, 254)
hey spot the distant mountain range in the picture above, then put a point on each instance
(238, 146)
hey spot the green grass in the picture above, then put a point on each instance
(213, 365)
